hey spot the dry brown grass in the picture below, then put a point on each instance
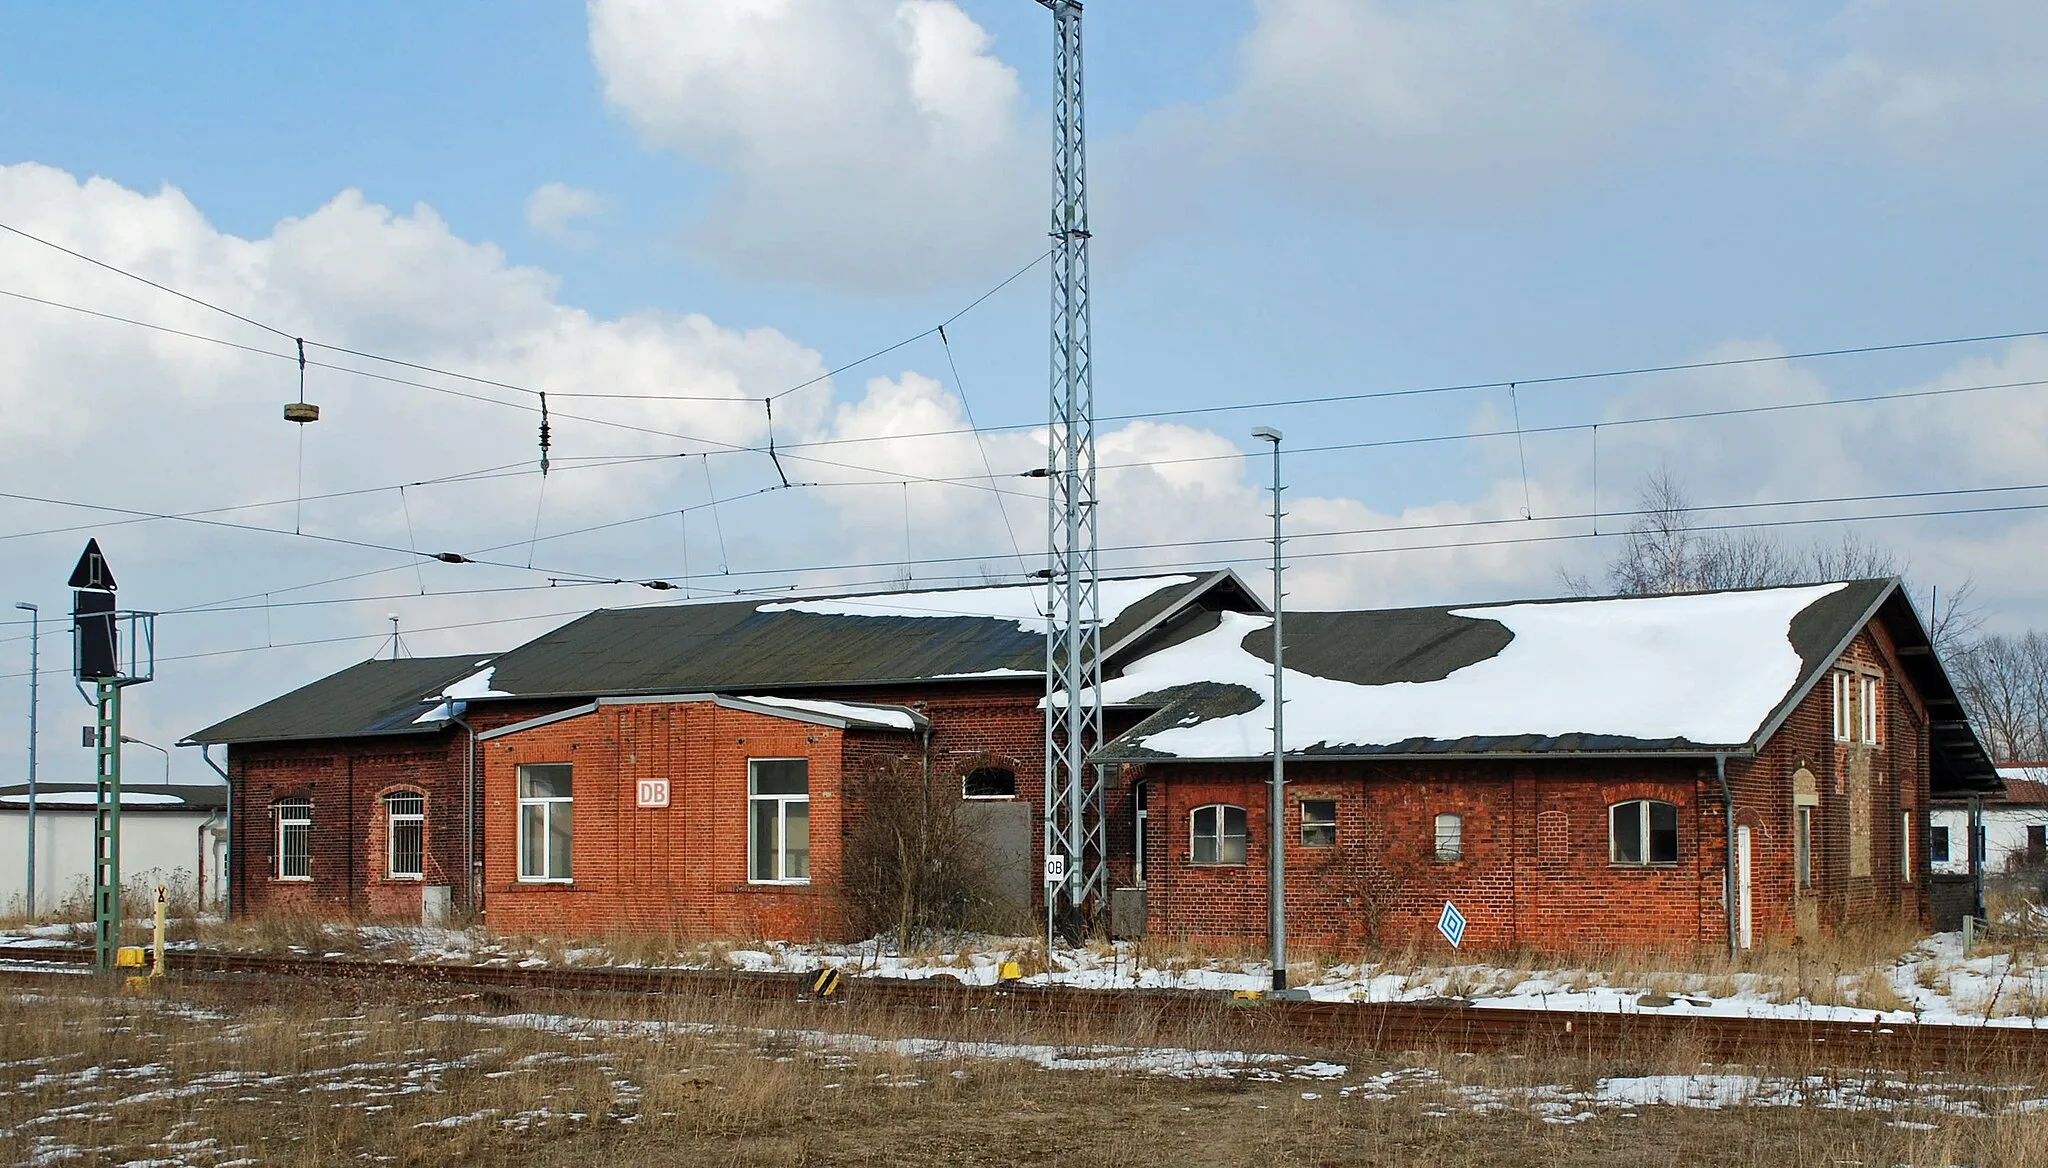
(319, 1074)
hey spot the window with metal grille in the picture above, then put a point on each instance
(294, 838)
(406, 814)
(1642, 831)
(1216, 835)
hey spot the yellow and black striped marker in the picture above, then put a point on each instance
(825, 983)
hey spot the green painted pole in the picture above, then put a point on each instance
(106, 867)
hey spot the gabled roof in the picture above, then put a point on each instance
(957, 634)
(1692, 674)
(364, 700)
(746, 646)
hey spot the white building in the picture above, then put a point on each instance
(172, 835)
(2015, 827)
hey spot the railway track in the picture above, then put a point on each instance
(1322, 1025)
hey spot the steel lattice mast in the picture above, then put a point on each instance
(1073, 668)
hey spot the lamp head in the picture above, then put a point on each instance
(25, 606)
(1267, 434)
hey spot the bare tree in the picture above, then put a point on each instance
(914, 866)
(2003, 683)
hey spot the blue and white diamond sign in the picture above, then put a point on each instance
(1451, 924)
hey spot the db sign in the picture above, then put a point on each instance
(653, 792)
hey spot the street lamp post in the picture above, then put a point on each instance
(34, 626)
(158, 749)
(1276, 796)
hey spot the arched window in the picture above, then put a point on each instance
(1216, 835)
(1642, 831)
(989, 782)
(294, 817)
(405, 814)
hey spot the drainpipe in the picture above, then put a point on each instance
(1728, 846)
(227, 903)
(1975, 828)
(473, 892)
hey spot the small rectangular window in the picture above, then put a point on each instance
(1937, 845)
(1802, 845)
(779, 823)
(1867, 705)
(545, 822)
(294, 839)
(1319, 823)
(1450, 837)
(2037, 843)
(406, 813)
(1906, 847)
(1843, 700)
(1216, 835)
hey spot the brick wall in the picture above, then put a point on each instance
(680, 869)
(346, 782)
(1534, 871)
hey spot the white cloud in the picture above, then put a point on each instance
(869, 144)
(553, 208)
(1400, 102)
(1913, 77)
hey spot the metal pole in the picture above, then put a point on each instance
(1276, 795)
(34, 628)
(159, 750)
(106, 881)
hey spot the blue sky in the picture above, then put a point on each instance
(1293, 198)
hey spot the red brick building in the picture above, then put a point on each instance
(1555, 770)
(393, 784)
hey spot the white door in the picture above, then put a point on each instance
(1742, 883)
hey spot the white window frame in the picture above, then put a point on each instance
(1219, 820)
(546, 806)
(782, 802)
(1856, 700)
(1840, 679)
(1450, 844)
(1866, 693)
(294, 814)
(1646, 858)
(393, 820)
(1330, 823)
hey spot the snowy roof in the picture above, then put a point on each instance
(367, 699)
(203, 798)
(1684, 673)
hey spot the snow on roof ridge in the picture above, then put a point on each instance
(1706, 667)
(896, 717)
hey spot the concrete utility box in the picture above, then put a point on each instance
(1126, 913)
(436, 904)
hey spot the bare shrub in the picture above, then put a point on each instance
(914, 867)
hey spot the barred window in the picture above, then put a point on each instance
(406, 814)
(294, 838)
